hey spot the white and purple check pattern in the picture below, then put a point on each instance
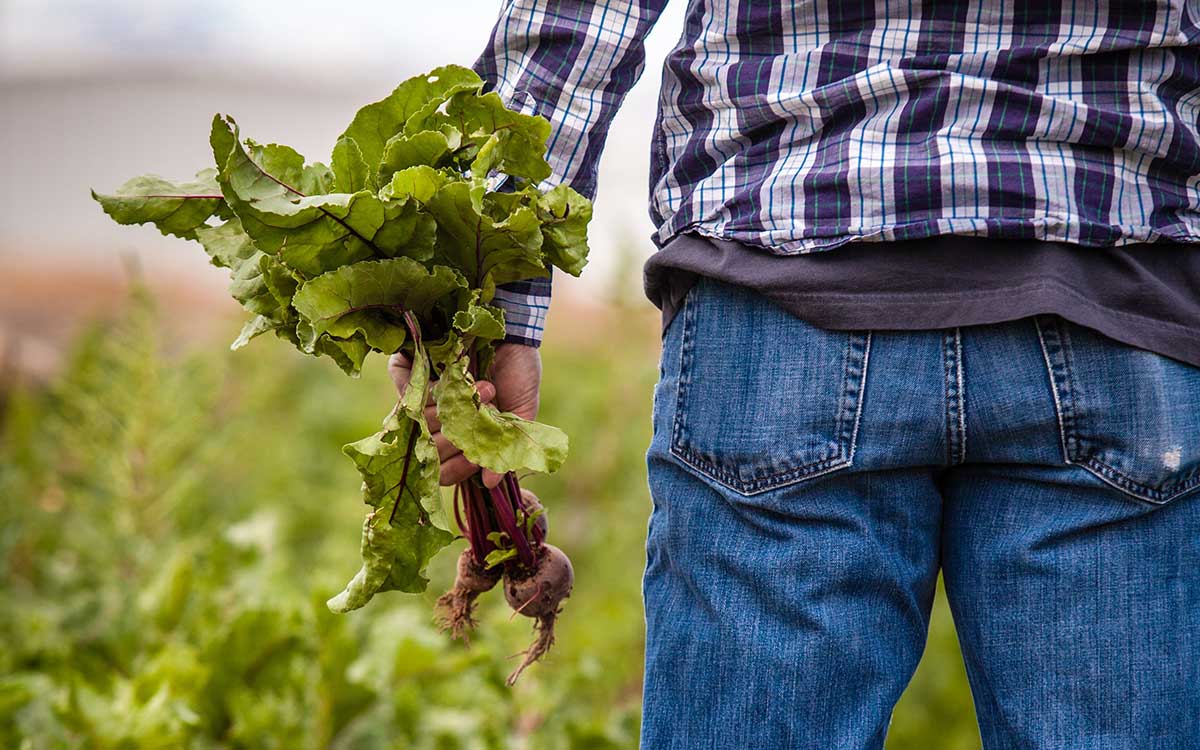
(800, 126)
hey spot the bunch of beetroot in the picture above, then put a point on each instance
(398, 245)
(537, 576)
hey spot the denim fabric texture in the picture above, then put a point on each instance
(808, 486)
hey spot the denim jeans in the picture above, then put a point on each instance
(808, 486)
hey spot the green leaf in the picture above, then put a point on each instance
(371, 297)
(176, 208)
(427, 147)
(500, 441)
(230, 247)
(498, 557)
(419, 183)
(310, 234)
(481, 321)
(279, 280)
(256, 326)
(416, 393)
(407, 524)
(348, 354)
(565, 214)
(507, 141)
(486, 251)
(375, 124)
(351, 171)
(407, 231)
(288, 166)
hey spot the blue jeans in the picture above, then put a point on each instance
(808, 486)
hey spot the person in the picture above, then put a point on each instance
(931, 302)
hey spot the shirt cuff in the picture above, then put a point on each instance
(524, 304)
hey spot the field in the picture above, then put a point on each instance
(173, 517)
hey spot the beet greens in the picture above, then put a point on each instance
(399, 246)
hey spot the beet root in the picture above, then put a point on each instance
(456, 607)
(539, 595)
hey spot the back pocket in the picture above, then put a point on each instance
(764, 398)
(1130, 416)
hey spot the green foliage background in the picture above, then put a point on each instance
(171, 523)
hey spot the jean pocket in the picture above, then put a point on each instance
(764, 399)
(1128, 415)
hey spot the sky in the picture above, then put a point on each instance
(94, 92)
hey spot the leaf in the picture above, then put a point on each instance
(375, 124)
(281, 282)
(500, 441)
(256, 326)
(176, 208)
(310, 234)
(407, 524)
(351, 172)
(348, 354)
(407, 231)
(230, 247)
(419, 183)
(416, 393)
(486, 251)
(565, 214)
(508, 141)
(481, 321)
(289, 167)
(371, 297)
(499, 556)
(427, 147)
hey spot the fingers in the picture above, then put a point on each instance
(456, 470)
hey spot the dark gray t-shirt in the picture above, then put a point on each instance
(1146, 295)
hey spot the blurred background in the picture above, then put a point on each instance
(173, 516)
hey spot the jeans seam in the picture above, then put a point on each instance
(862, 396)
(687, 334)
(839, 424)
(1054, 391)
(952, 389)
(962, 396)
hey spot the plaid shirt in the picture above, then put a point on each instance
(799, 126)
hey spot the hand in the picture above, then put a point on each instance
(514, 384)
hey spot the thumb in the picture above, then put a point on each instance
(400, 369)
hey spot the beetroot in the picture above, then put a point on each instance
(539, 595)
(537, 576)
(456, 606)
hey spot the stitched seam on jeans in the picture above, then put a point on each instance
(756, 486)
(1123, 481)
(954, 421)
(687, 336)
(862, 396)
(839, 425)
(1075, 441)
(1053, 382)
(947, 418)
(962, 398)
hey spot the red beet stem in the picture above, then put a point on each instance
(506, 516)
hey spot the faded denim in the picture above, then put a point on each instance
(808, 485)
